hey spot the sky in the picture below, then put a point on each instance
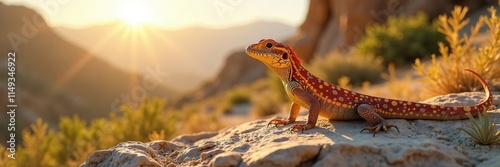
(170, 14)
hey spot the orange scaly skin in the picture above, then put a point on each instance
(330, 101)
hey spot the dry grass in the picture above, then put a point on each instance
(446, 73)
(399, 85)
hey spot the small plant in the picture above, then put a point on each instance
(234, 97)
(157, 136)
(358, 68)
(482, 131)
(447, 75)
(344, 82)
(402, 39)
(266, 104)
(238, 96)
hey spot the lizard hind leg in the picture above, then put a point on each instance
(368, 113)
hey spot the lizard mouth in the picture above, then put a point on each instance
(257, 54)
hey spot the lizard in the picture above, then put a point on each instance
(335, 103)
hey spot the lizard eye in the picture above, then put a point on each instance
(284, 56)
(269, 45)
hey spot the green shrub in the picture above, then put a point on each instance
(446, 74)
(203, 122)
(238, 96)
(4, 159)
(402, 39)
(75, 139)
(266, 104)
(233, 97)
(40, 147)
(358, 68)
(482, 131)
(137, 123)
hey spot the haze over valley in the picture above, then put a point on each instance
(189, 56)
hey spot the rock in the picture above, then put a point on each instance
(495, 161)
(457, 99)
(424, 152)
(333, 25)
(125, 154)
(283, 155)
(330, 143)
(191, 138)
(226, 159)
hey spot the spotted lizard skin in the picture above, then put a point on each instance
(336, 103)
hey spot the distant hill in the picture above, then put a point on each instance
(190, 55)
(56, 78)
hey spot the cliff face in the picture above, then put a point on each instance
(338, 24)
(331, 143)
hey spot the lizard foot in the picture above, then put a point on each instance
(279, 122)
(381, 126)
(301, 127)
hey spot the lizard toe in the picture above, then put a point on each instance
(279, 122)
(301, 127)
(383, 126)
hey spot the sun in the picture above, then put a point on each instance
(134, 12)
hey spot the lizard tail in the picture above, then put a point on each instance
(485, 104)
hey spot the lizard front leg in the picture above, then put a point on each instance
(294, 112)
(314, 107)
(368, 113)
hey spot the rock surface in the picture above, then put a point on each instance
(331, 143)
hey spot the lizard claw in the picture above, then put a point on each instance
(301, 127)
(279, 122)
(381, 126)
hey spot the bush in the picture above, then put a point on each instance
(233, 97)
(75, 139)
(266, 104)
(39, 147)
(357, 68)
(203, 122)
(402, 39)
(446, 74)
(238, 96)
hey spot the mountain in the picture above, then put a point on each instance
(190, 55)
(54, 77)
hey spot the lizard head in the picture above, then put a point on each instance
(272, 53)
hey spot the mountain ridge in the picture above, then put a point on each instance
(55, 78)
(202, 50)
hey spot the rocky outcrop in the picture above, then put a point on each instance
(331, 143)
(338, 24)
(330, 25)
